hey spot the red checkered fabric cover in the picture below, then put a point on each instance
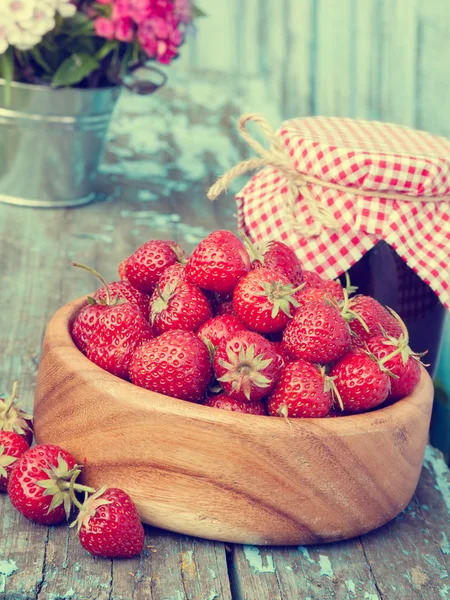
(365, 155)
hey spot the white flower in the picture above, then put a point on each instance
(23, 23)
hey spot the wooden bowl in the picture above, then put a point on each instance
(228, 476)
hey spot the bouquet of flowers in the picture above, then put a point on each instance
(87, 43)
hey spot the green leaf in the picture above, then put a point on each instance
(36, 54)
(106, 49)
(74, 69)
(198, 12)
(7, 72)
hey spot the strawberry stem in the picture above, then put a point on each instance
(96, 274)
(73, 496)
(11, 399)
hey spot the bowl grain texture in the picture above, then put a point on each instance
(228, 476)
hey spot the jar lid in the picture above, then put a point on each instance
(333, 187)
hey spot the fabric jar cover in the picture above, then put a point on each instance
(365, 156)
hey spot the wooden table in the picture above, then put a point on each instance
(153, 196)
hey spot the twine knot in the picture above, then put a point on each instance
(275, 156)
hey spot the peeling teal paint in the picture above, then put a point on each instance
(440, 469)
(254, 558)
(213, 595)
(351, 587)
(440, 569)
(444, 592)
(147, 196)
(212, 573)
(368, 596)
(7, 568)
(405, 552)
(325, 566)
(425, 507)
(445, 544)
(305, 553)
(76, 567)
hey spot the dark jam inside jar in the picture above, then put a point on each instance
(381, 273)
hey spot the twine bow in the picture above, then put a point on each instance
(297, 183)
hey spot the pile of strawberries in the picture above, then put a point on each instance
(42, 485)
(245, 328)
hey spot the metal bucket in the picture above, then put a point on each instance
(51, 143)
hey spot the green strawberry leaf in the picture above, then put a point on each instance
(74, 69)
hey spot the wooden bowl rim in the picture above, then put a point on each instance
(58, 337)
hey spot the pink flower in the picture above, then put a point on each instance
(182, 10)
(104, 1)
(160, 37)
(104, 28)
(124, 30)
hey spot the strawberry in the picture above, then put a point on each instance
(84, 324)
(226, 308)
(218, 262)
(312, 280)
(302, 390)
(277, 256)
(123, 290)
(122, 269)
(117, 333)
(318, 333)
(178, 305)
(376, 318)
(13, 418)
(407, 381)
(176, 364)
(256, 407)
(172, 274)
(264, 300)
(219, 328)
(12, 446)
(109, 525)
(360, 381)
(281, 351)
(148, 263)
(247, 366)
(305, 296)
(334, 289)
(39, 486)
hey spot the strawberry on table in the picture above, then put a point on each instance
(39, 486)
(177, 363)
(361, 382)
(219, 328)
(123, 290)
(145, 267)
(12, 446)
(218, 262)
(277, 256)
(302, 390)
(318, 333)
(178, 305)
(264, 300)
(13, 418)
(224, 402)
(247, 366)
(109, 525)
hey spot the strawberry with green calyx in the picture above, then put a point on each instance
(12, 446)
(367, 317)
(108, 524)
(247, 366)
(179, 305)
(302, 391)
(361, 382)
(145, 267)
(13, 418)
(224, 402)
(277, 256)
(335, 290)
(396, 355)
(39, 486)
(264, 300)
(125, 292)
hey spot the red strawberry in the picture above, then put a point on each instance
(148, 263)
(302, 390)
(281, 351)
(39, 484)
(172, 274)
(334, 289)
(360, 382)
(122, 269)
(305, 296)
(277, 256)
(218, 262)
(219, 328)
(312, 280)
(109, 525)
(117, 333)
(256, 407)
(374, 315)
(84, 324)
(123, 290)
(226, 308)
(264, 300)
(12, 446)
(318, 333)
(176, 363)
(180, 305)
(13, 418)
(247, 365)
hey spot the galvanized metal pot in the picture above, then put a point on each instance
(51, 143)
